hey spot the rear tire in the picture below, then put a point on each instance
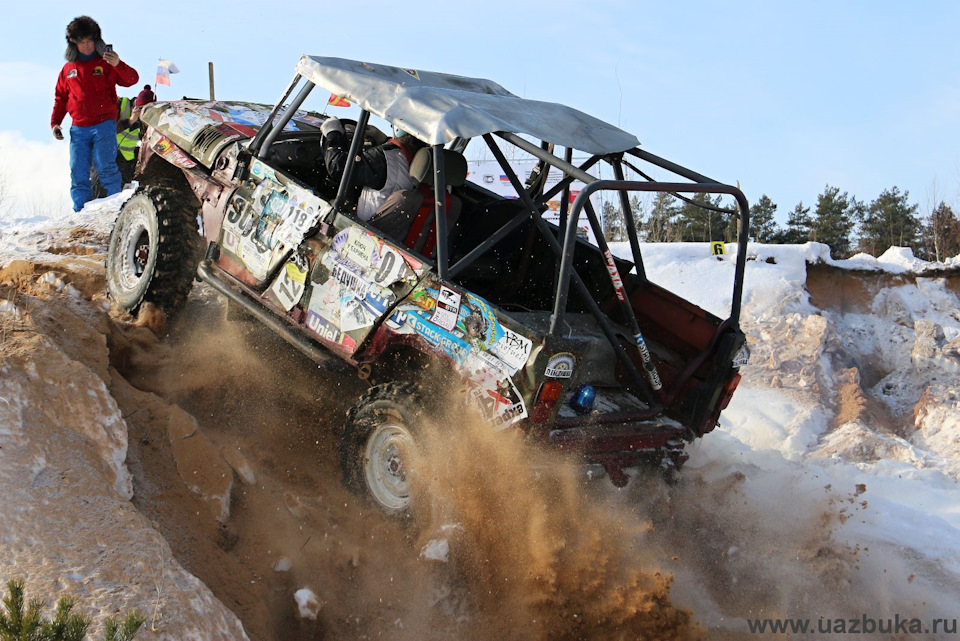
(154, 249)
(377, 444)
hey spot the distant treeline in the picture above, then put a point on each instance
(847, 225)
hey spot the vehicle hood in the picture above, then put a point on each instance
(439, 107)
(203, 128)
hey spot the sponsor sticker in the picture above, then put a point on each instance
(301, 215)
(262, 171)
(230, 240)
(499, 402)
(493, 362)
(560, 365)
(349, 277)
(289, 285)
(447, 311)
(354, 314)
(512, 348)
(163, 147)
(362, 247)
(180, 159)
(323, 328)
(265, 189)
(254, 256)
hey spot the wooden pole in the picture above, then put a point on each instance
(210, 65)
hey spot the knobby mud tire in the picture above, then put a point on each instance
(154, 249)
(386, 417)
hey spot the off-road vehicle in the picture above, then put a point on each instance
(545, 332)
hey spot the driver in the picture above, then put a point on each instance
(379, 171)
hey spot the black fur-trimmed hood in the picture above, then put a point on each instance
(78, 29)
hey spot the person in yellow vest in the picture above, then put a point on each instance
(128, 130)
(128, 139)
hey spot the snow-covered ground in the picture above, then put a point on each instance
(844, 433)
(849, 412)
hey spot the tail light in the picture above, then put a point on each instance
(547, 398)
(727, 393)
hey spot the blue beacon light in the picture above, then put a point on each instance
(583, 398)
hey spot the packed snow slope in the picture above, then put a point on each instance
(828, 493)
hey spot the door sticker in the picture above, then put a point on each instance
(290, 285)
(447, 311)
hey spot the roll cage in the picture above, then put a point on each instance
(563, 239)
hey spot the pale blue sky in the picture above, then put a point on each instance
(784, 97)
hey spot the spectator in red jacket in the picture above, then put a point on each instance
(87, 90)
(146, 96)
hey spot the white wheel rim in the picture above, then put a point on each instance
(135, 234)
(386, 466)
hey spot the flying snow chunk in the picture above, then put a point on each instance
(50, 278)
(6, 307)
(308, 603)
(436, 550)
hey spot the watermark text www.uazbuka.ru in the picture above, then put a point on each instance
(862, 625)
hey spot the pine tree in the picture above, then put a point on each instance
(20, 621)
(614, 228)
(834, 221)
(699, 223)
(660, 226)
(637, 207)
(763, 227)
(889, 221)
(941, 234)
(798, 226)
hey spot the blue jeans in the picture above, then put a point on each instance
(96, 144)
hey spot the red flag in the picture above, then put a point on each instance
(337, 101)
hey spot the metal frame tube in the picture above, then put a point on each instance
(566, 263)
(440, 200)
(262, 133)
(630, 221)
(565, 198)
(564, 206)
(210, 273)
(482, 248)
(285, 118)
(652, 375)
(569, 179)
(550, 159)
(671, 166)
(351, 160)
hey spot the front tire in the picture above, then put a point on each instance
(153, 249)
(378, 446)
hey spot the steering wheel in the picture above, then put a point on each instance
(371, 134)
